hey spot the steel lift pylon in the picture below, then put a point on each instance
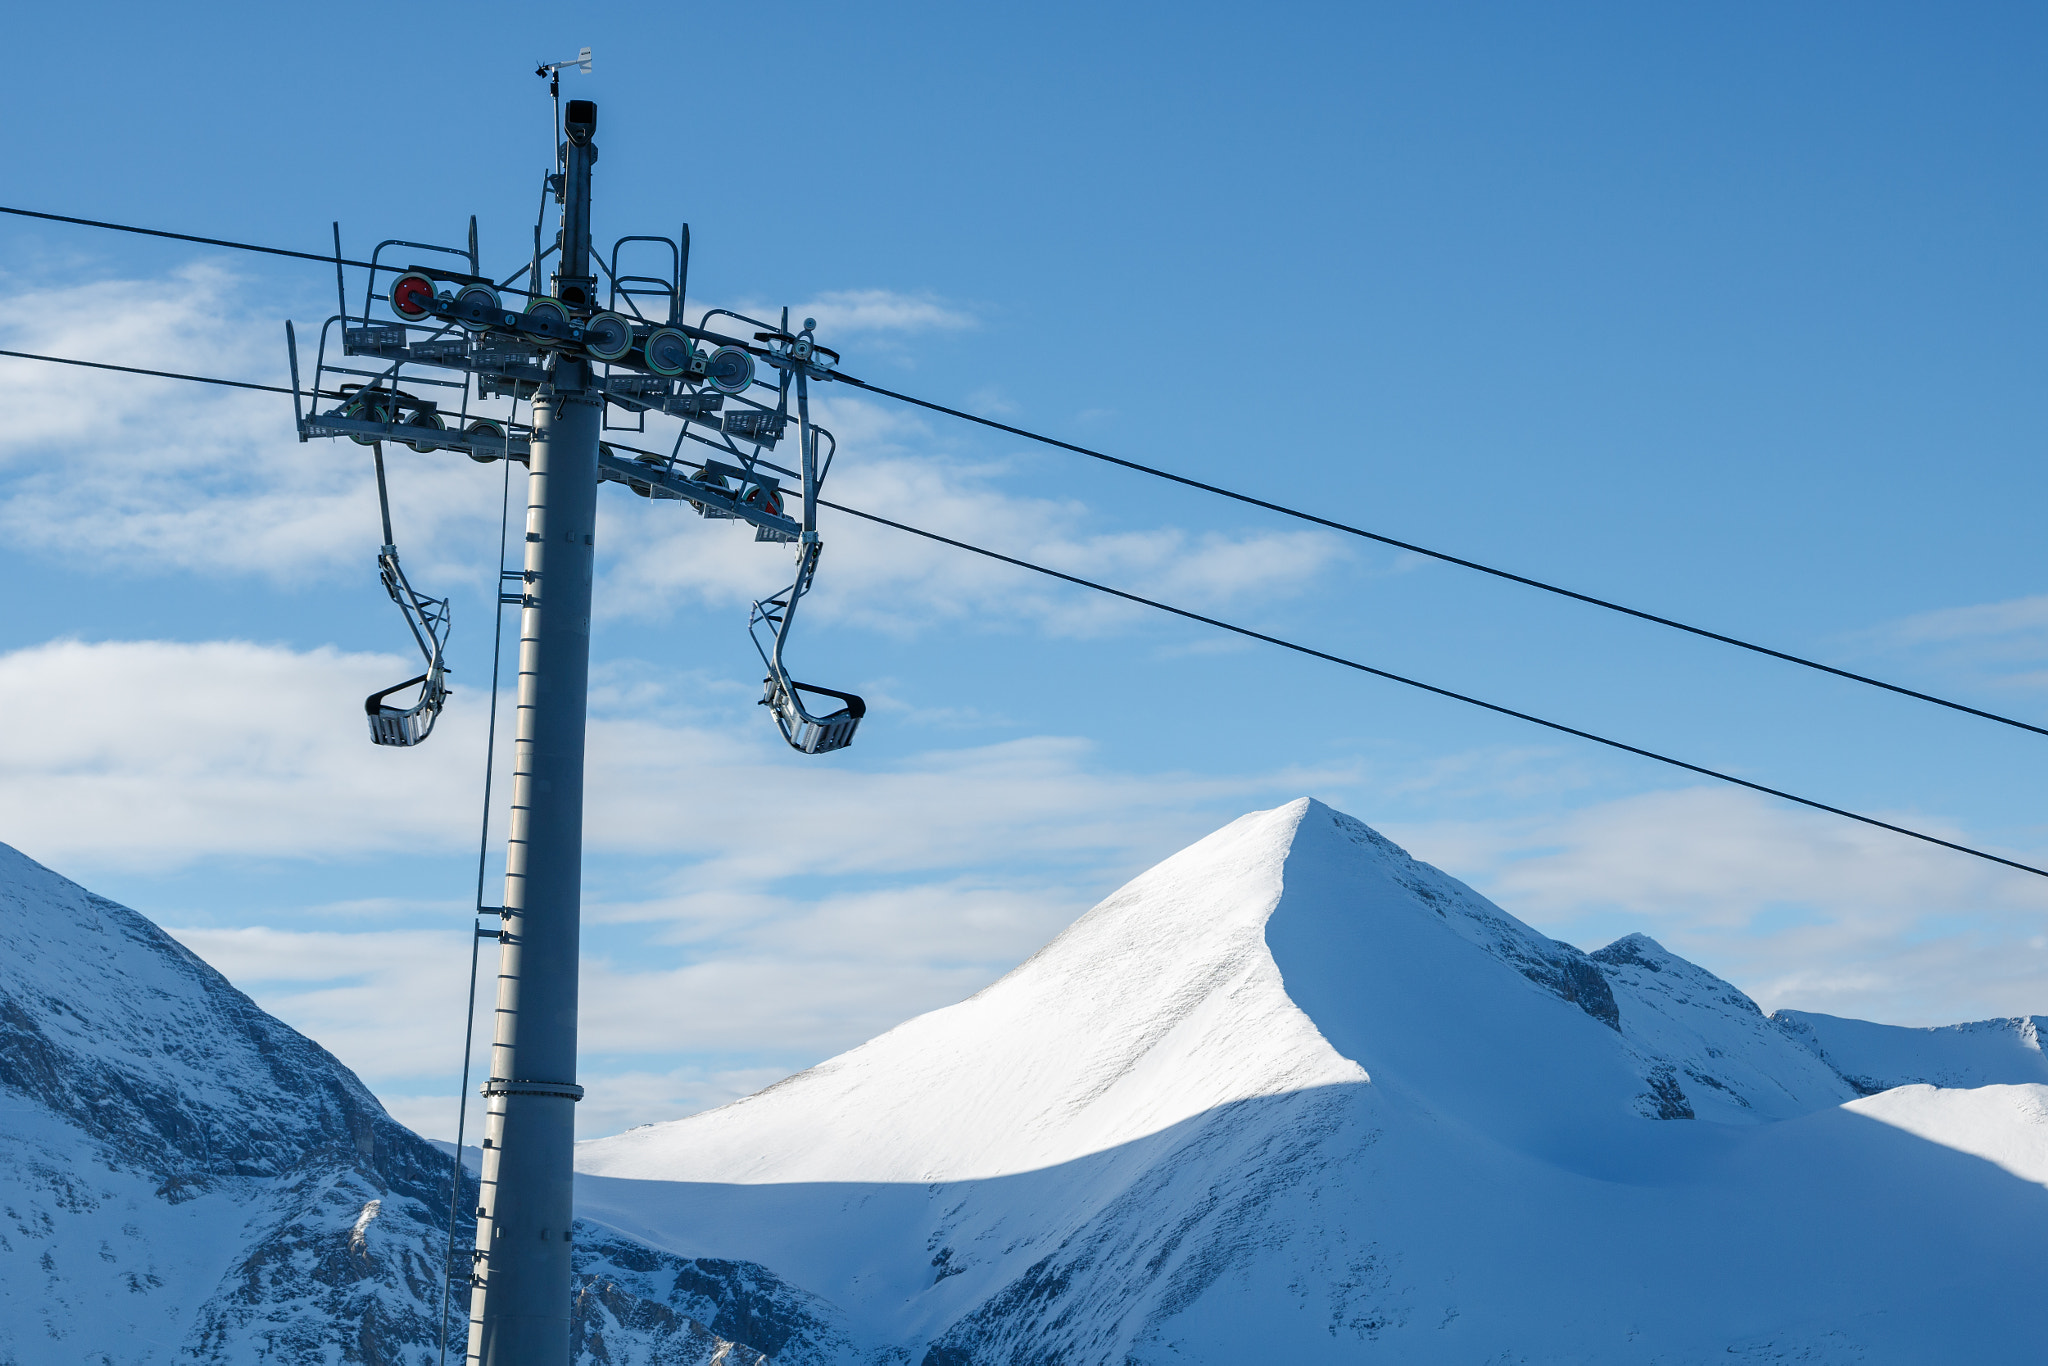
(577, 364)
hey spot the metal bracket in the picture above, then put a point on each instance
(502, 1086)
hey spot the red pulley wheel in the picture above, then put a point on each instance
(412, 297)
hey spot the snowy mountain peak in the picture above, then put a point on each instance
(118, 1028)
(1641, 950)
(1159, 1004)
(1289, 1093)
(1294, 1093)
(1293, 949)
(183, 1178)
(1876, 1057)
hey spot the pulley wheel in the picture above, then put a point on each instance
(484, 430)
(433, 421)
(551, 315)
(412, 297)
(730, 370)
(369, 406)
(668, 351)
(478, 307)
(607, 336)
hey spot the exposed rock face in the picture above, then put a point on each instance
(184, 1178)
(635, 1304)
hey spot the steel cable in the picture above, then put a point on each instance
(157, 374)
(1510, 576)
(1157, 473)
(325, 257)
(1431, 687)
(1311, 651)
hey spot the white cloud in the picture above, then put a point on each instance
(2000, 645)
(123, 469)
(884, 579)
(151, 754)
(942, 868)
(152, 473)
(2027, 616)
(388, 1003)
(392, 997)
(843, 311)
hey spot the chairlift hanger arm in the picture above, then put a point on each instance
(782, 695)
(428, 619)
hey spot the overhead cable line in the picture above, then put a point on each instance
(324, 257)
(1157, 473)
(1268, 639)
(1430, 687)
(1510, 576)
(158, 374)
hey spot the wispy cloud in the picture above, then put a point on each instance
(843, 312)
(139, 472)
(2020, 616)
(185, 751)
(881, 578)
(146, 474)
(2002, 645)
(151, 754)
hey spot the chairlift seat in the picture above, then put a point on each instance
(406, 726)
(807, 733)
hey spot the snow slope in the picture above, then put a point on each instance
(1289, 1094)
(1875, 1057)
(184, 1178)
(1292, 1094)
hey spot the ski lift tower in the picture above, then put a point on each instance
(568, 354)
(520, 1310)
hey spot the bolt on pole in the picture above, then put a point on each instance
(519, 1307)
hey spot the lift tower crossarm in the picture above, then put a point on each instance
(519, 1307)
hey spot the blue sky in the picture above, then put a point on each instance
(1729, 315)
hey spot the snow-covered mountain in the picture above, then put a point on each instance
(1292, 1095)
(184, 1178)
(1289, 1094)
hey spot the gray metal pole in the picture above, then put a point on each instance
(519, 1309)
